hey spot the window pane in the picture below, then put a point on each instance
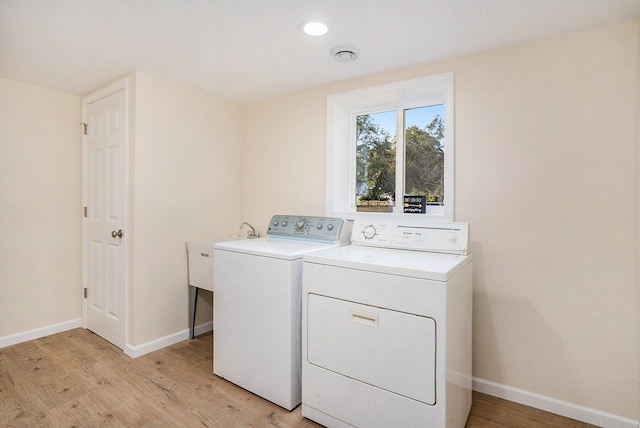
(376, 158)
(424, 153)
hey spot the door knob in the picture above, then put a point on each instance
(117, 234)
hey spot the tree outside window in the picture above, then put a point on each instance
(423, 168)
(375, 160)
(424, 161)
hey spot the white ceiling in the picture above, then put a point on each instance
(250, 49)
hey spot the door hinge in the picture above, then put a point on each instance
(84, 128)
(85, 293)
(85, 211)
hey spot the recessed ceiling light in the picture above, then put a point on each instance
(345, 53)
(313, 28)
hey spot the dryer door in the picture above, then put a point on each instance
(391, 350)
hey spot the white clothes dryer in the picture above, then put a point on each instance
(257, 306)
(387, 327)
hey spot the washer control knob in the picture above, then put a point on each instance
(369, 232)
(275, 222)
(300, 224)
(330, 226)
(319, 226)
(453, 238)
(284, 223)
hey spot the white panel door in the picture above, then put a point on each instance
(105, 233)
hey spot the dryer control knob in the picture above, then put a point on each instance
(301, 224)
(369, 232)
(453, 238)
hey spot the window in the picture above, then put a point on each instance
(390, 150)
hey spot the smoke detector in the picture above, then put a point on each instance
(345, 53)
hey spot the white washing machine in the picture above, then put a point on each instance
(387, 327)
(258, 304)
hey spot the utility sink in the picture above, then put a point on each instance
(200, 255)
(200, 263)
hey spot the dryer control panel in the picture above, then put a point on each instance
(451, 238)
(328, 229)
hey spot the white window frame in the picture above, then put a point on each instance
(342, 110)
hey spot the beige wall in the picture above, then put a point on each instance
(40, 207)
(553, 154)
(186, 186)
(545, 174)
(284, 157)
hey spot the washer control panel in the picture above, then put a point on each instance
(452, 238)
(328, 229)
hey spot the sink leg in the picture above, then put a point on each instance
(193, 297)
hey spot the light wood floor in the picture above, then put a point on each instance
(77, 379)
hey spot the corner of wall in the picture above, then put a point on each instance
(637, 208)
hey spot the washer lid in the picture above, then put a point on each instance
(279, 248)
(417, 264)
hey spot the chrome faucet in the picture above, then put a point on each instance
(252, 232)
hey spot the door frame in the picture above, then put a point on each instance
(122, 84)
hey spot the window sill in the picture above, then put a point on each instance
(375, 208)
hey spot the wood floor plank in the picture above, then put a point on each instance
(85, 411)
(494, 412)
(76, 378)
(19, 405)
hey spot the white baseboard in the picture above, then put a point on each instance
(163, 342)
(37, 333)
(203, 328)
(154, 345)
(130, 350)
(563, 408)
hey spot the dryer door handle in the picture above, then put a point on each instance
(364, 318)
